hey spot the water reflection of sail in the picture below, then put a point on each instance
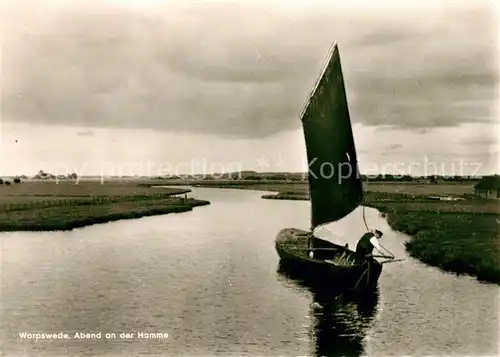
(340, 321)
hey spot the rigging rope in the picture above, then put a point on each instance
(364, 219)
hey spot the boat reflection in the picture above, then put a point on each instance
(340, 320)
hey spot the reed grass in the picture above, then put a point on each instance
(345, 259)
(67, 218)
(459, 242)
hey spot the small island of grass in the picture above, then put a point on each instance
(52, 206)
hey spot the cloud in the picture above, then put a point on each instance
(389, 150)
(483, 140)
(87, 132)
(244, 69)
(393, 147)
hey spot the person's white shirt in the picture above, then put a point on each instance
(374, 242)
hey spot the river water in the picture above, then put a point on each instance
(210, 279)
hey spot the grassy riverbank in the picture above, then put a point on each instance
(460, 242)
(47, 206)
(457, 236)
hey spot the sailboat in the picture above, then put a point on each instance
(335, 187)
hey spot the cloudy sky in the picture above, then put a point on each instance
(156, 87)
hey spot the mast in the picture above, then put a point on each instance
(335, 186)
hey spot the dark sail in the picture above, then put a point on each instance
(334, 181)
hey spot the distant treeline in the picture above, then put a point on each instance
(41, 175)
(429, 178)
(255, 176)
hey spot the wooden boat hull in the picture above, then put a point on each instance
(291, 246)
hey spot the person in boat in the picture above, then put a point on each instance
(310, 237)
(368, 241)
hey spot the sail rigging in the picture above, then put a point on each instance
(334, 183)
